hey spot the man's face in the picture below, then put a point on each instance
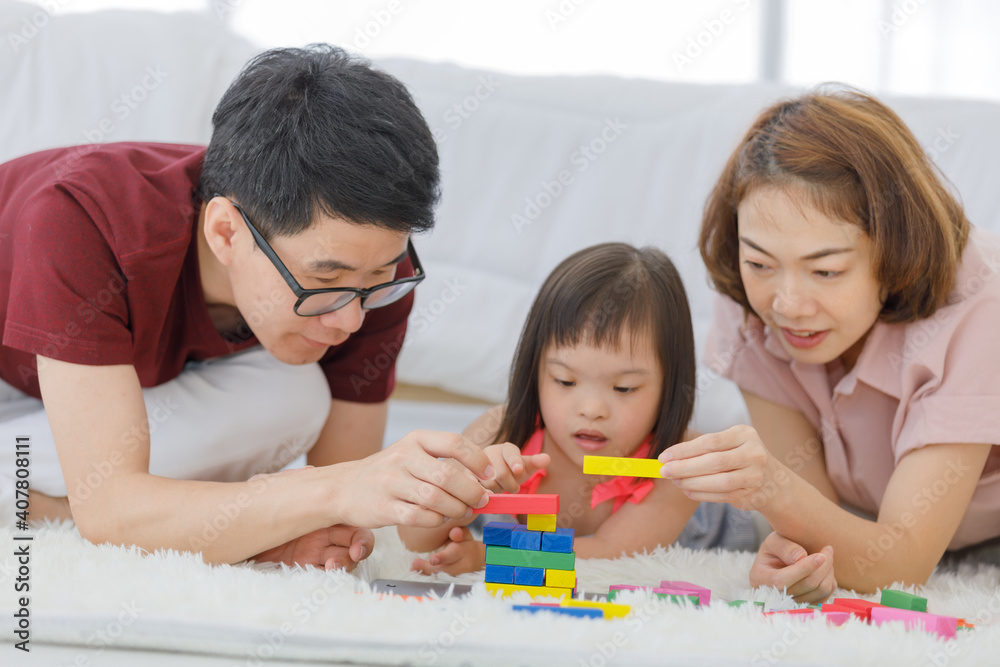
(331, 253)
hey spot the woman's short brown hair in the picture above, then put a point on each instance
(855, 160)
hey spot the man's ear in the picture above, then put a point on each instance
(222, 220)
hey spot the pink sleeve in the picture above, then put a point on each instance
(952, 387)
(737, 351)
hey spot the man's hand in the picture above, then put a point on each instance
(332, 548)
(415, 482)
(786, 565)
(512, 467)
(461, 553)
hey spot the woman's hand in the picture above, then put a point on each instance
(460, 554)
(512, 467)
(786, 565)
(732, 466)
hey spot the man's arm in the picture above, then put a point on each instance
(352, 431)
(96, 411)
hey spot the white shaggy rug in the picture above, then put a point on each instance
(102, 597)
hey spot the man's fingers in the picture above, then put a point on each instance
(454, 446)
(445, 488)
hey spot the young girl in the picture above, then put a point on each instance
(604, 366)
(859, 320)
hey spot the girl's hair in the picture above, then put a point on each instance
(592, 297)
(853, 159)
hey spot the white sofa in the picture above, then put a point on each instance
(533, 168)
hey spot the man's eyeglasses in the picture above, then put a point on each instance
(312, 302)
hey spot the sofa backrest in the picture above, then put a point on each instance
(534, 168)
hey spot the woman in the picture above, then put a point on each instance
(857, 314)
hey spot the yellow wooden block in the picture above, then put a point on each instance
(545, 523)
(560, 578)
(621, 467)
(611, 609)
(534, 591)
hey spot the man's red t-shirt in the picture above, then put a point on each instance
(99, 266)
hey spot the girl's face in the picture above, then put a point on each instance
(808, 276)
(600, 401)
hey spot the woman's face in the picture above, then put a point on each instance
(808, 276)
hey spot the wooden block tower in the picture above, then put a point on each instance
(538, 557)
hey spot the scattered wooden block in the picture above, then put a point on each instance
(566, 611)
(903, 600)
(943, 626)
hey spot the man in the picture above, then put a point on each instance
(168, 305)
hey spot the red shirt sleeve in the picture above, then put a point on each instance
(363, 369)
(67, 297)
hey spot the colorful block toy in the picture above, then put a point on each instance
(567, 611)
(522, 565)
(901, 600)
(621, 466)
(560, 540)
(514, 503)
(500, 574)
(529, 576)
(528, 540)
(560, 578)
(944, 626)
(542, 522)
(520, 558)
(684, 588)
(498, 533)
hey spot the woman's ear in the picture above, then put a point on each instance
(221, 222)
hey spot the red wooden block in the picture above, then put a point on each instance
(516, 503)
(861, 605)
(860, 613)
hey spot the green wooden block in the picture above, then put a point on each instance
(679, 599)
(740, 603)
(901, 600)
(550, 560)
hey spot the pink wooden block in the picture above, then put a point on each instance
(684, 588)
(836, 617)
(945, 626)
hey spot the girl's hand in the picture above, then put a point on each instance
(460, 554)
(786, 565)
(732, 466)
(512, 467)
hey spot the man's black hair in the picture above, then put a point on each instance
(317, 130)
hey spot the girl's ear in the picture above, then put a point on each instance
(222, 220)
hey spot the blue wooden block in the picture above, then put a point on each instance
(560, 541)
(500, 574)
(525, 540)
(585, 612)
(529, 576)
(497, 533)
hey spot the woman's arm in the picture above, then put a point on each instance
(923, 504)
